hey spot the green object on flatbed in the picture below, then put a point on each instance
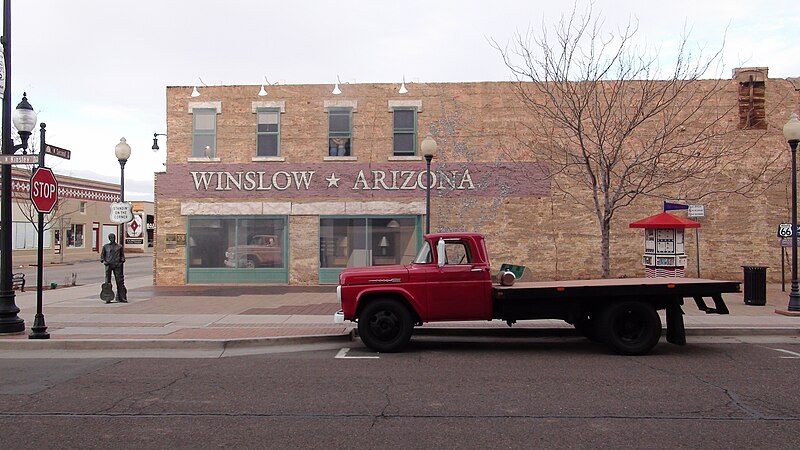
(516, 270)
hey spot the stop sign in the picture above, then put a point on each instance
(44, 190)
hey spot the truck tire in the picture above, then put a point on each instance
(629, 327)
(385, 326)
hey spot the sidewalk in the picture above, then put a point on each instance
(224, 317)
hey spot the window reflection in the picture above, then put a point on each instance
(359, 242)
(236, 243)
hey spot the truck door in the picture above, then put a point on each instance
(460, 289)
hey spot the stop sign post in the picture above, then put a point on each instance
(44, 190)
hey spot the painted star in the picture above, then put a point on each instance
(333, 180)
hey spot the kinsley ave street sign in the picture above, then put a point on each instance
(44, 190)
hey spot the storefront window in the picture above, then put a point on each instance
(359, 242)
(75, 236)
(244, 243)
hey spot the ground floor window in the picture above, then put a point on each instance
(25, 237)
(237, 243)
(75, 235)
(365, 241)
(237, 250)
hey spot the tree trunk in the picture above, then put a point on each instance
(605, 247)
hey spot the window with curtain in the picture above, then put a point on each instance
(340, 131)
(268, 132)
(204, 132)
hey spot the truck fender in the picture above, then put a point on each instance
(399, 294)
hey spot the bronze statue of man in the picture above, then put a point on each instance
(113, 256)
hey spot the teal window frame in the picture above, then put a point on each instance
(396, 130)
(276, 133)
(338, 112)
(233, 275)
(330, 275)
(197, 150)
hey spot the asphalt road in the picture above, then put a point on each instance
(87, 272)
(537, 393)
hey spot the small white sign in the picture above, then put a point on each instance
(697, 211)
(121, 212)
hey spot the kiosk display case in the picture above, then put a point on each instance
(664, 248)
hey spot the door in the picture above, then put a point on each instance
(460, 289)
(108, 229)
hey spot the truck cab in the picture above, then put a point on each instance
(262, 250)
(448, 280)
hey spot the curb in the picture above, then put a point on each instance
(249, 343)
(167, 344)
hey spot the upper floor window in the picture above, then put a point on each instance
(268, 132)
(340, 131)
(204, 132)
(405, 131)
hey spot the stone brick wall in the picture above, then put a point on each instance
(550, 232)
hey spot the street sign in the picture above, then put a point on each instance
(121, 212)
(44, 189)
(57, 151)
(696, 211)
(785, 230)
(19, 159)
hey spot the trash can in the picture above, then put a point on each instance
(755, 285)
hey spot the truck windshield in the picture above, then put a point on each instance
(424, 255)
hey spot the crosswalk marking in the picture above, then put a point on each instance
(795, 355)
(343, 355)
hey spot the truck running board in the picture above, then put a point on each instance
(720, 307)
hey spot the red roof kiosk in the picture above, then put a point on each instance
(664, 250)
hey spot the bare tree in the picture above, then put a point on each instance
(611, 131)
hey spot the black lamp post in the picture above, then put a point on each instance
(24, 120)
(155, 146)
(123, 152)
(428, 149)
(791, 131)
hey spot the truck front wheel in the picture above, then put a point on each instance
(385, 326)
(630, 327)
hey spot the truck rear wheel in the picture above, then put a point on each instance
(630, 327)
(385, 326)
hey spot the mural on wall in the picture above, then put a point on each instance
(352, 180)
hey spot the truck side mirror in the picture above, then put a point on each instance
(440, 256)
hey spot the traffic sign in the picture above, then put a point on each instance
(19, 159)
(57, 151)
(44, 190)
(785, 230)
(696, 211)
(121, 212)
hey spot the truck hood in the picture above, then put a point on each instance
(373, 275)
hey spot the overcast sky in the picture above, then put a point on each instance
(97, 70)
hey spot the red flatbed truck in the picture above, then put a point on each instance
(450, 280)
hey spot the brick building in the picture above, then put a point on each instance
(295, 185)
(78, 226)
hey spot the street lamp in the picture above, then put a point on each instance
(791, 131)
(123, 152)
(24, 119)
(155, 146)
(428, 149)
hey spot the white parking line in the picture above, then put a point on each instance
(795, 355)
(343, 355)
